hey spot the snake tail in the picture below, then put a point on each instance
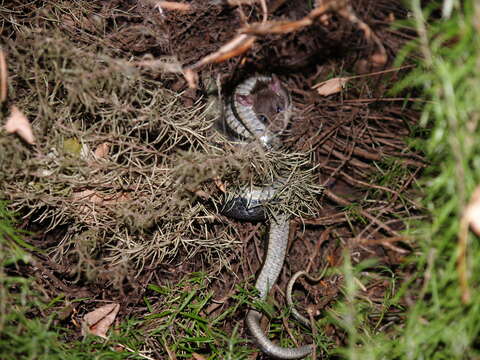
(277, 247)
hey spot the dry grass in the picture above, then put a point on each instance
(120, 159)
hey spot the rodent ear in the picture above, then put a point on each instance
(275, 84)
(245, 100)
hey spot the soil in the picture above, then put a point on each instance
(356, 134)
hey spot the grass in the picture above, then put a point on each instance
(21, 336)
(181, 323)
(438, 324)
(188, 322)
(29, 329)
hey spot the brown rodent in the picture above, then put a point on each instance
(268, 99)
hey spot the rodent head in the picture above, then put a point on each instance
(270, 102)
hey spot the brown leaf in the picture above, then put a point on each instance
(191, 77)
(18, 123)
(276, 27)
(168, 64)
(238, 45)
(99, 320)
(198, 356)
(102, 150)
(173, 5)
(88, 197)
(96, 198)
(331, 86)
(220, 184)
(3, 77)
(473, 212)
(242, 2)
(378, 60)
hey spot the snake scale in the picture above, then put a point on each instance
(258, 110)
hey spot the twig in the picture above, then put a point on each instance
(3, 77)
(327, 220)
(347, 12)
(354, 181)
(287, 328)
(172, 5)
(238, 45)
(341, 201)
(462, 260)
(140, 354)
(323, 237)
(366, 154)
(371, 74)
(263, 4)
(249, 32)
(341, 156)
(387, 242)
(275, 4)
(469, 218)
(371, 100)
(310, 312)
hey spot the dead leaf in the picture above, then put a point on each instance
(242, 2)
(220, 184)
(473, 212)
(191, 77)
(3, 77)
(331, 86)
(88, 195)
(72, 146)
(65, 312)
(470, 219)
(18, 123)
(99, 320)
(378, 60)
(102, 150)
(96, 198)
(197, 356)
(168, 64)
(173, 5)
(238, 45)
(92, 197)
(276, 27)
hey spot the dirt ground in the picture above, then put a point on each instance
(357, 137)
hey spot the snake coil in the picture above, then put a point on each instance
(246, 126)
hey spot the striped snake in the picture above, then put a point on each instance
(258, 110)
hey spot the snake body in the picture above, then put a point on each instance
(243, 121)
(247, 127)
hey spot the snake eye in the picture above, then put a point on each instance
(262, 118)
(280, 108)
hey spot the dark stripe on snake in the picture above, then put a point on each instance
(248, 206)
